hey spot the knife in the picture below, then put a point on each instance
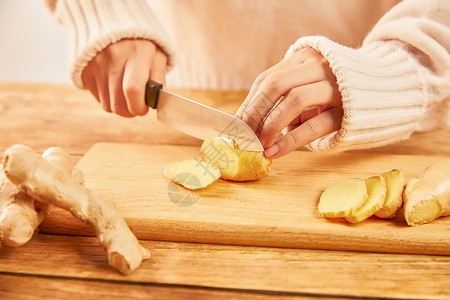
(199, 120)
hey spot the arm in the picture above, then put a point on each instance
(115, 47)
(396, 84)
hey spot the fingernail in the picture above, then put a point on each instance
(272, 150)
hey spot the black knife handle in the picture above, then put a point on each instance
(152, 93)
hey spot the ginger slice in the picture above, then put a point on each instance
(48, 183)
(376, 189)
(235, 164)
(394, 185)
(20, 214)
(193, 174)
(428, 197)
(342, 198)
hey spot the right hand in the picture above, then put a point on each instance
(117, 75)
(301, 94)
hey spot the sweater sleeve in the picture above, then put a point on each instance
(92, 25)
(397, 83)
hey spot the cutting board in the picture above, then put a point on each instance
(279, 210)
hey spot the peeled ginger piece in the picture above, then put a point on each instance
(342, 198)
(394, 189)
(376, 190)
(193, 174)
(428, 197)
(235, 164)
(220, 158)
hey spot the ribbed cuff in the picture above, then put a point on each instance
(95, 24)
(383, 96)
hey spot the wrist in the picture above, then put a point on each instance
(382, 94)
(93, 25)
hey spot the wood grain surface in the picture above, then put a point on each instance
(279, 210)
(75, 267)
(42, 287)
(251, 271)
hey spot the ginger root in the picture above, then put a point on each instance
(20, 214)
(18, 217)
(428, 197)
(221, 158)
(51, 184)
(235, 164)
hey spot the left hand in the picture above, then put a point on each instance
(117, 75)
(299, 93)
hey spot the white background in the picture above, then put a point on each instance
(33, 46)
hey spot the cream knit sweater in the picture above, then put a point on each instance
(394, 78)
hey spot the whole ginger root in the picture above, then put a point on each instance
(19, 217)
(428, 197)
(20, 214)
(52, 184)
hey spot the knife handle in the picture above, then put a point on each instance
(152, 93)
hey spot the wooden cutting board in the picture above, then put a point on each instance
(279, 210)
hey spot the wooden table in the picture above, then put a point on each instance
(55, 266)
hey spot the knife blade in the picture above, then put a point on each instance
(199, 120)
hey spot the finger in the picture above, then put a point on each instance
(115, 61)
(278, 84)
(297, 58)
(103, 91)
(135, 78)
(257, 83)
(101, 65)
(91, 85)
(114, 78)
(314, 128)
(309, 114)
(159, 66)
(117, 98)
(303, 99)
(95, 78)
(294, 123)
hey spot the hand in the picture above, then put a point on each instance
(300, 94)
(117, 75)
